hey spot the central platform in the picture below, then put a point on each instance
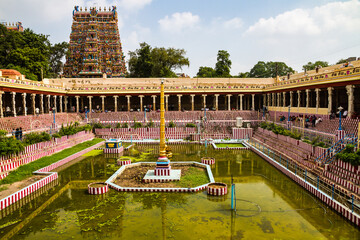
(151, 177)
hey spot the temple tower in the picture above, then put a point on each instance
(95, 47)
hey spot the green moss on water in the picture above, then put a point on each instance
(230, 145)
(92, 153)
(193, 177)
(26, 171)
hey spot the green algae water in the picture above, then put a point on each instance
(268, 206)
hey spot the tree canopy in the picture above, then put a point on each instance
(156, 62)
(222, 67)
(269, 69)
(30, 53)
(312, 66)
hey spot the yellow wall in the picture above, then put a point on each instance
(303, 110)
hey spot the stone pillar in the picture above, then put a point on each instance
(82, 102)
(229, 103)
(154, 102)
(307, 99)
(291, 98)
(204, 101)
(317, 90)
(61, 103)
(298, 98)
(90, 103)
(217, 102)
(128, 102)
(268, 99)
(77, 103)
(66, 103)
(1, 105)
(179, 101)
(192, 102)
(141, 102)
(48, 103)
(284, 99)
(253, 102)
(115, 103)
(14, 103)
(273, 99)
(330, 92)
(278, 99)
(55, 104)
(350, 93)
(166, 103)
(24, 103)
(103, 103)
(33, 95)
(241, 101)
(42, 103)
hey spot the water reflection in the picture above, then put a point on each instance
(269, 205)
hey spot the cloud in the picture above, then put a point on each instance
(179, 21)
(133, 5)
(343, 16)
(235, 23)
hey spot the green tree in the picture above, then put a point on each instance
(57, 54)
(223, 64)
(269, 69)
(341, 61)
(156, 62)
(206, 72)
(140, 62)
(243, 75)
(312, 66)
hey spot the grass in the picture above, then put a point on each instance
(93, 153)
(26, 171)
(194, 177)
(230, 145)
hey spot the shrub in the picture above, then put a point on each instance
(33, 138)
(171, 124)
(56, 135)
(10, 146)
(125, 125)
(98, 125)
(190, 125)
(263, 125)
(150, 124)
(137, 125)
(118, 125)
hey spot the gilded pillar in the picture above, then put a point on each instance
(1, 105)
(141, 102)
(90, 103)
(55, 104)
(291, 99)
(284, 99)
(307, 99)
(179, 102)
(298, 98)
(61, 103)
(66, 103)
(48, 103)
(273, 99)
(166, 102)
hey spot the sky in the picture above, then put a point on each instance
(294, 32)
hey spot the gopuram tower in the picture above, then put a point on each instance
(95, 47)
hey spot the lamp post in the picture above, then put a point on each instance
(145, 109)
(264, 107)
(54, 111)
(289, 113)
(288, 122)
(340, 109)
(205, 113)
(86, 113)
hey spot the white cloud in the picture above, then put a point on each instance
(235, 23)
(133, 5)
(179, 21)
(343, 16)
